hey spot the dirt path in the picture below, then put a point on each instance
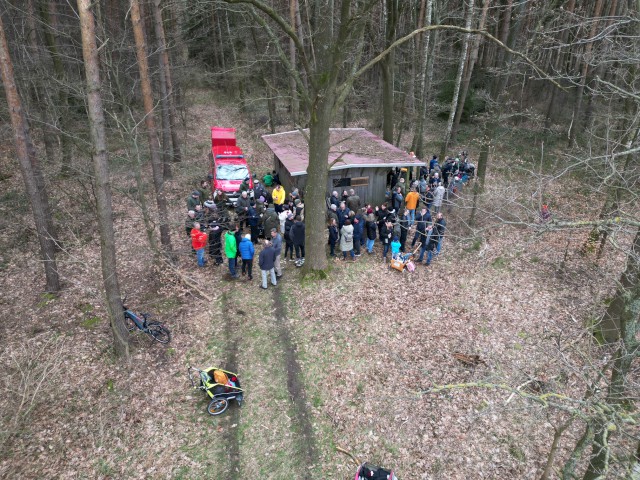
(272, 434)
(295, 385)
(232, 419)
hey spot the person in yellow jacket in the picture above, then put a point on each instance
(278, 196)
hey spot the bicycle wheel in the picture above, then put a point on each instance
(129, 323)
(217, 406)
(158, 332)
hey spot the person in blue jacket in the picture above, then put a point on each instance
(246, 253)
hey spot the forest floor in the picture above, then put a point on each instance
(349, 362)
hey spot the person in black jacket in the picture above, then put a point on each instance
(422, 220)
(381, 214)
(252, 220)
(386, 231)
(288, 223)
(297, 237)
(432, 247)
(343, 214)
(333, 237)
(370, 228)
(442, 226)
(404, 228)
(215, 242)
(358, 231)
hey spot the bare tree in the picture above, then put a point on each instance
(170, 114)
(102, 182)
(461, 67)
(30, 167)
(152, 133)
(577, 109)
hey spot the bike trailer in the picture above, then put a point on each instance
(368, 471)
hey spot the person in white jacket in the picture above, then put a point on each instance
(282, 216)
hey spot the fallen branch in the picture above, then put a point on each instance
(348, 453)
(187, 281)
(470, 360)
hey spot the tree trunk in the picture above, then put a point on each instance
(600, 72)
(102, 183)
(165, 68)
(176, 10)
(620, 321)
(49, 14)
(317, 174)
(504, 26)
(426, 67)
(152, 134)
(557, 435)
(456, 90)
(481, 172)
(577, 109)
(167, 146)
(387, 67)
(564, 35)
(30, 167)
(40, 98)
(569, 469)
(473, 58)
(295, 104)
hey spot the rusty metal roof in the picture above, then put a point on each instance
(355, 147)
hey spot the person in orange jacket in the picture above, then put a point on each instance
(411, 203)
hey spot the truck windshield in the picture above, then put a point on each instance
(231, 172)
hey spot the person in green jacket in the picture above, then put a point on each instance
(268, 180)
(193, 200)
(231, 249)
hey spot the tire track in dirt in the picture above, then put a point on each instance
(231, 418)
(295, 385)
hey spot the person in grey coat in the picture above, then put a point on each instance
(346, 240)
(266, 261)
(438, 197)
(276, 241)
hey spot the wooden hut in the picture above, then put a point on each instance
(364, 161)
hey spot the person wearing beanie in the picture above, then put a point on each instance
(193, 200)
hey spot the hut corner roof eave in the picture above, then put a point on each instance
(414, 163)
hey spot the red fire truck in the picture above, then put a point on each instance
(228, 167)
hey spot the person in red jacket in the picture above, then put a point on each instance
(198, 242)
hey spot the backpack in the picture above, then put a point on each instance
(348, 237)
(368, 471)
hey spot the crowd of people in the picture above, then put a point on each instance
(413, 209)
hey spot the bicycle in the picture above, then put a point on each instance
(155, 330)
